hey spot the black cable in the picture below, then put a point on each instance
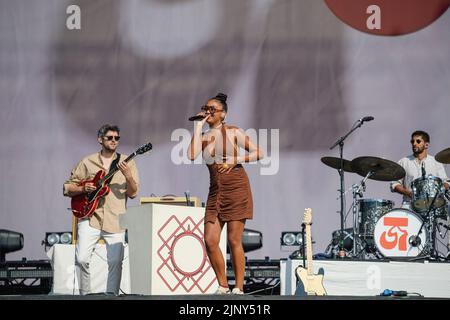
(268, 288)
(414, 294)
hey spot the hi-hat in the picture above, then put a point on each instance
(336, 163)
(382, 169)
(443, 156)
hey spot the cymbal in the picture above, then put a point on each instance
(443, 156)
(383, 170)
(336, 163)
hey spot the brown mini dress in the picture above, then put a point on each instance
(230, 196)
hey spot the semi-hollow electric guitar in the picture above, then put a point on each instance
(309, 283)
(84, 205)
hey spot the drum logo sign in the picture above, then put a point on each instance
(399, 234)
(396, 236)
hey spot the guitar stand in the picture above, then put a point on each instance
(303, 246)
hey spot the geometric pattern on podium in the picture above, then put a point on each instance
(167, 250)
(177, 237)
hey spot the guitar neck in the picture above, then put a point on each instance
(112, 171)
(309, 255)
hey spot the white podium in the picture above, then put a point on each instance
(167, 251)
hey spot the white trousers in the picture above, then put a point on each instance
(87, 239)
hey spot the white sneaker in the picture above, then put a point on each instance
(223, 290)
(237, 291)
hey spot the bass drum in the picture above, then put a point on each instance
(396, 231)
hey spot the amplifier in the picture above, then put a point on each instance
(25, 277)
(172, 200)
(257, 269)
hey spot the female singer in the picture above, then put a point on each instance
(230, 197)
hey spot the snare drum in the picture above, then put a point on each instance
(424, 189)
(395, 231)
(371, 210)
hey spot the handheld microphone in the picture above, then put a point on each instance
(368, 118)
(196, 118)
(423, 170)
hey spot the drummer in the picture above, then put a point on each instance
(419, 164)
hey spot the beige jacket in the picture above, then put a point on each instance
(106, 216)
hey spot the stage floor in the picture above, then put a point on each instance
(206, 297)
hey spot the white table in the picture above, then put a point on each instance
(62, 257)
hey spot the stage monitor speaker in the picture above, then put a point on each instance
(251, 240)
(172, 200)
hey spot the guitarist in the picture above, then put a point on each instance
(104, 222)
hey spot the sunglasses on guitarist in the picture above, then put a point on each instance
(109, 138)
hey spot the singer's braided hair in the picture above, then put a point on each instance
(222, 98)
(425, 136)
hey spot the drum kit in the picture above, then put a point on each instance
(382, 231)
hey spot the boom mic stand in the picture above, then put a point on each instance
(340, 142)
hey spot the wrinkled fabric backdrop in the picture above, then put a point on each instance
(147, 65)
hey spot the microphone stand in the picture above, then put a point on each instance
(340, 142)
(188, 199)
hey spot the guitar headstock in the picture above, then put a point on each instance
(307, 216)
(143, 149)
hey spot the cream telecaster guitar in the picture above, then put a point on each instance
(309, 283)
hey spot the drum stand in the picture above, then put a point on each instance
(430, 246)
(357, 190)
(357, 247)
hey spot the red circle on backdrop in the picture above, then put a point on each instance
(397, 17)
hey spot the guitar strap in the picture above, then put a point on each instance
(113, 167)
